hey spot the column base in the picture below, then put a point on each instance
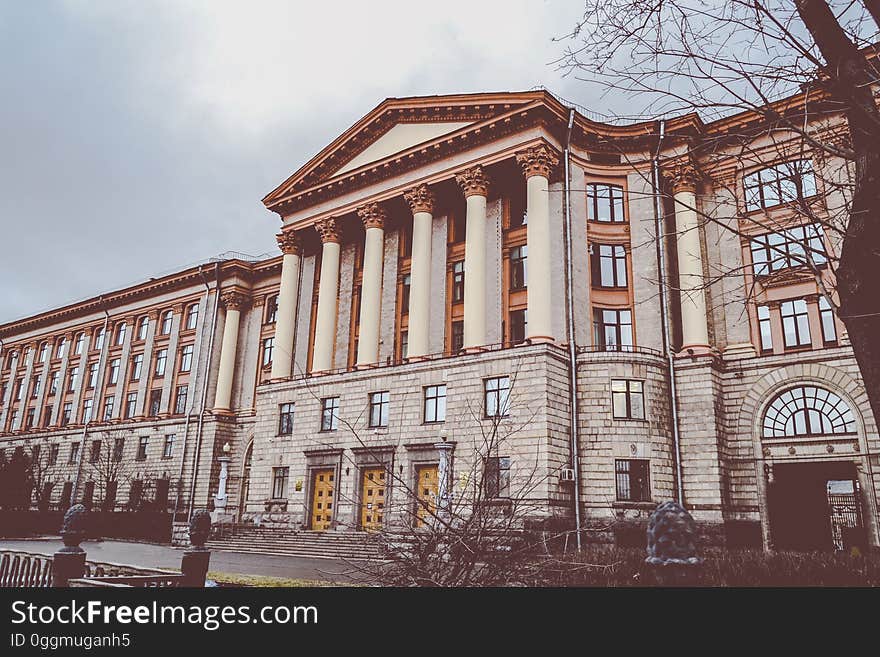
(539, 339)
(223, 412)
(365, 366)
(473, 350)
(740, 350)
(690, 350)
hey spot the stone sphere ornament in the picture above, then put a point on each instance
(199, 528)
(73, 528)
(672, 535)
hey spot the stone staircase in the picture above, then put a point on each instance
(292, 543)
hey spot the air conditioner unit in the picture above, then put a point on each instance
(566, 475)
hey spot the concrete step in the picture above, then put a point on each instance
(330, 545)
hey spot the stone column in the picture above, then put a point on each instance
(29, 365)
(444, 478)
(10, 387)
(167, 403)
(285, 321)
(421, 202)
(233, 301)
(328, 291)
(62, 382)
(694, 326)
(475, 186)
(537, 163)
(373, 217)
(124, 366)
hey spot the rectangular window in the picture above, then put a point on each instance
(612, 329)
(19, 387)
(66, 411)
(379, 402)
(142, 448)
(95, 453)
(764, 327)
(826, 314)
(47, 415)
(793, 247)
(108, 407)
(279, 483)
(130, 405)
(457, 338)
(113, 375)
(628, 399)
(285, 419)
(168, 447)
(53, 453)
(271, 310)
(631, 476)
(519, 324)
(404, 344)
(605, 203)
(435, 403)
(155, 401)
(118, 448)
(74, 453)
(268, 348)
(519, 268)
(329, 413)
(186, 355)
(93, 375)
(608, 265)
(72, 378)
(458, 281)
(496, 396)
(161, 362)
(87, 411)
(795, 323)
(180, 400)
(29, 418)
(404, 294)
(137, 362)
(53, 382)
(779, 184)
(497, 477)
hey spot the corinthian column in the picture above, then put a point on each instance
(421, 202)
(373, 218)
(475, 186)
(285, 322)
(328, 290)
(695, 334)
(233, 301)
(537, 163)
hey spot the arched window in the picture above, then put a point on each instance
(120, 332)
(167, 317)
(143, 327)
(807, 411)
(79, 343)
(192, 316)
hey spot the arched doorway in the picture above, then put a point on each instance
(245, 479)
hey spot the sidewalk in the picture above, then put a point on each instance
(151, 555)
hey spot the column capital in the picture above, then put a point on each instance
(329, 230)
(420, 199)
(473, 182)
(537, 160)
(372, 215)
(233, 299)
(683, 176)
(289, 242)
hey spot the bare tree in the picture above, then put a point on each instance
(107, 468)
(806, 70)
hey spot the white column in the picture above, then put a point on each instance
(694, 319)
(373, 217)
(233, 301)
(10, 387)
(475, 186)
(30, 365)
(62, 381)
(124, 366)
(328, 291)
(421, 202)
(285, 322)
(537, 163)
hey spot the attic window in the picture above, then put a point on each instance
(605, 158)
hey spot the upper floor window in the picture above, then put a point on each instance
(608, 265)
(99, 338)
(826, 316)
(60, 348)
(496, 396)
(285, 419)
(458, 281)
(44, 349)
(792, 247)
(612, 329)
(79, 343)
(186, 355)
(161, 361)
(143, 442)
(795, 323)
(605, 203)
(143, 325)
(779, 184)
(404, 294)
(518, 267)
(329, 413)
(457, 338)
(192, 316)
(628, 399)
(519, 324)
(113, 376)
(268, 349)
(167, 318)
(120, 333)
(765, 328)
(435, 403)
(807, 411)
(271, 310)
(379, 403)
(137, 363)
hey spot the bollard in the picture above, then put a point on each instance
(197, 558)
(70, 561)
(672, 548)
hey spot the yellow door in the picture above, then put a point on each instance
(322, 499)
(426, 492)
(373, 499)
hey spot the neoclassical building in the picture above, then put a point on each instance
(471, 296)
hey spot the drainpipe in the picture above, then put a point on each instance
(189, 412)
(664, 315)
(96, 396)
(204, 400)
(572, 346)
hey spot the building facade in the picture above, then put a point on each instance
(471, 299)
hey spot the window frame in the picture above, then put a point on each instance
(501, 395)
(636, 490)
(330, 405)
(629, 393)
(428, 398)
(286, 414)
(379, 402)
(616, 200)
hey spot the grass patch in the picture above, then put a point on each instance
(236, 579)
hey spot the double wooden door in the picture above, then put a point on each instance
(322, 499)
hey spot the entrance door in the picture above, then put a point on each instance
(426, 492)
(373, 499)
(322, 499)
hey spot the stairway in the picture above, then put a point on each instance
(291, 543)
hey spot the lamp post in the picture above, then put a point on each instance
(221, 497)
(444, 476)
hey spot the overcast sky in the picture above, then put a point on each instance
(139, 137)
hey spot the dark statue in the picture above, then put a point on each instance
(73, 529)
(199, 528)
(672, 535)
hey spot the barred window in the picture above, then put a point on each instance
(605, 203)
(807, 411)
(632, 479)
(779, 184)
(792, 247)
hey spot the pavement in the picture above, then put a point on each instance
(151, 555)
